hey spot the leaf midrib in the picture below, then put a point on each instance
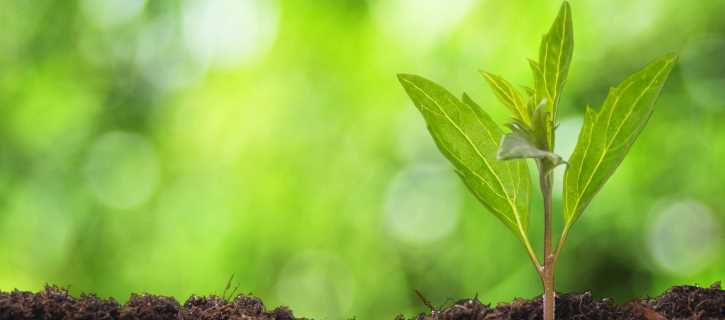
(558, 61)
(509, 94)
(561, 50)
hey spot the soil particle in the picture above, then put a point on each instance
(243, 307)
(682, 302)
(688, 302)
(149, 307)
(55, 303)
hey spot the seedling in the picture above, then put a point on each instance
(493, 165)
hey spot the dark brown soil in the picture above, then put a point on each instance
(683, 302)
(55, 303)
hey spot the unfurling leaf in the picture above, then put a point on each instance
(515, 145)
(469, 138)
(607, 136)
(506, 93)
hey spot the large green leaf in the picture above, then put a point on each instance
(469, 138)
(607, 136)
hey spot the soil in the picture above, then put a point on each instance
(682, 302)
(55, 303)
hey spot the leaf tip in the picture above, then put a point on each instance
(672, 57)
(490, 77)
(566, 6)
(403, 76)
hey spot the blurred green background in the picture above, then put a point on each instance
(163, 146)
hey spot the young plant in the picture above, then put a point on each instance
(492, 164)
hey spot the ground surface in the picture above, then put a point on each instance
(683, 302)
(54, 303)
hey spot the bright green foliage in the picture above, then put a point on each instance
(552, 69)
(532, 129)
(490, 162)
(607, 136)
(468, 137)
(555, 55)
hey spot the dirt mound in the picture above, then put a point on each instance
(55, 303)
(681, 302)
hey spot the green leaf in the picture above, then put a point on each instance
(538, 93)
(469, 138)
(506, 93)
(551, 71)
(555, 56)
(607, 136)
(515, 145)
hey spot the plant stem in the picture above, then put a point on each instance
(547, 277)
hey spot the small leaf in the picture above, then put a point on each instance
(555, 55)
(541, 126)
(551, 71)
(607, 136)
(506, 93)
(539, 105)
(516, 146)
(538, 93)
(469, 139)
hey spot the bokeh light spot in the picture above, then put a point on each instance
(567, 135)
(111, 13)
(122, 169)
(704, 80)
(229, 32)
(683, 236)
(414, 143)
(626, 18)
(419, 23)
(423, 204)
(162, 58)
(317, 284)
